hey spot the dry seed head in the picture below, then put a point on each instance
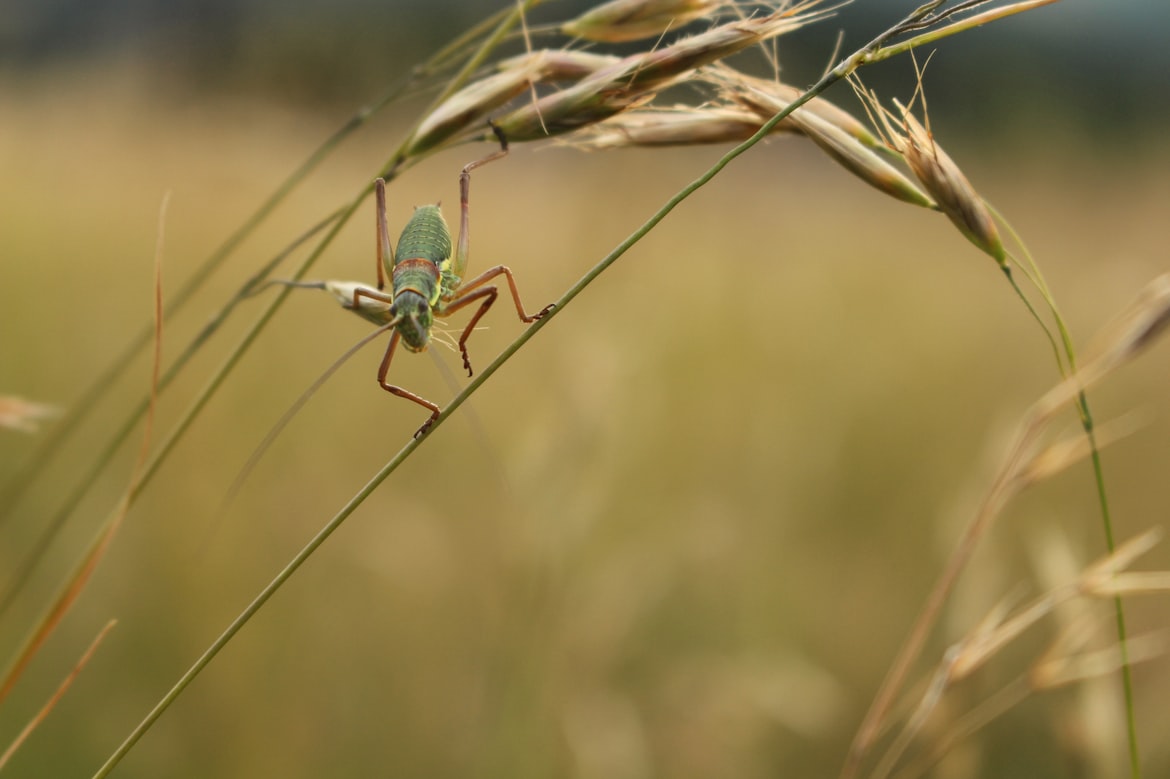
(24, 415)
(565, 111)
(635, 80)
(768, 98)
(620, 21)
(472, 103)
(860, 160)
(719, 42)
(943, 180)
(836, 132)
(679, 126)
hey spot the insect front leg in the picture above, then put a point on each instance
(490, 274)
(404, 393)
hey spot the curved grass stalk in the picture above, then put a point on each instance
(1065, 355)
(838, 73)
(15, 488)
(397, 163)
(93, 394)
(1087, 424)
(503, 21)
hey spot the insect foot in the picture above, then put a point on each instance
(425, 427)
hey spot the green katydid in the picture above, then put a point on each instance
(426, 282)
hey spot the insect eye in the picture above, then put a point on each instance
(422, 308)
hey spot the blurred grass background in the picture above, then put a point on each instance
(681, 534)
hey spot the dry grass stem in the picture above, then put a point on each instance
(55, 698)
(1135, 329)
(1062, 663)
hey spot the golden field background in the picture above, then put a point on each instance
(681, 534)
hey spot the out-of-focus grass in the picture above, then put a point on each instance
(700, 512)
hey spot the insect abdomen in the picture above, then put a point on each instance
(425, 237)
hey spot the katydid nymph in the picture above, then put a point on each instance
(425, 281)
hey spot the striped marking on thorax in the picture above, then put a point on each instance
(412, 272)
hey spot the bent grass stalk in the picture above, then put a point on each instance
(78, 413)
(504, 21)
(838, 73)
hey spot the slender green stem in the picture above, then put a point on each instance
(89, 398)
(1086, 419)
(453, 406)
(82, 486)
(969, 23)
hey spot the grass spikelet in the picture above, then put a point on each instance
(768, 98)
(860, 160)
(621, 21)
(954, 194)
(560, 65)
(676, 126)
(939, 175)
(25, 415)
(845, 139)
(474, 102)
(661, 65)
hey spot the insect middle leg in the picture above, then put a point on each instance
(404, 393)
